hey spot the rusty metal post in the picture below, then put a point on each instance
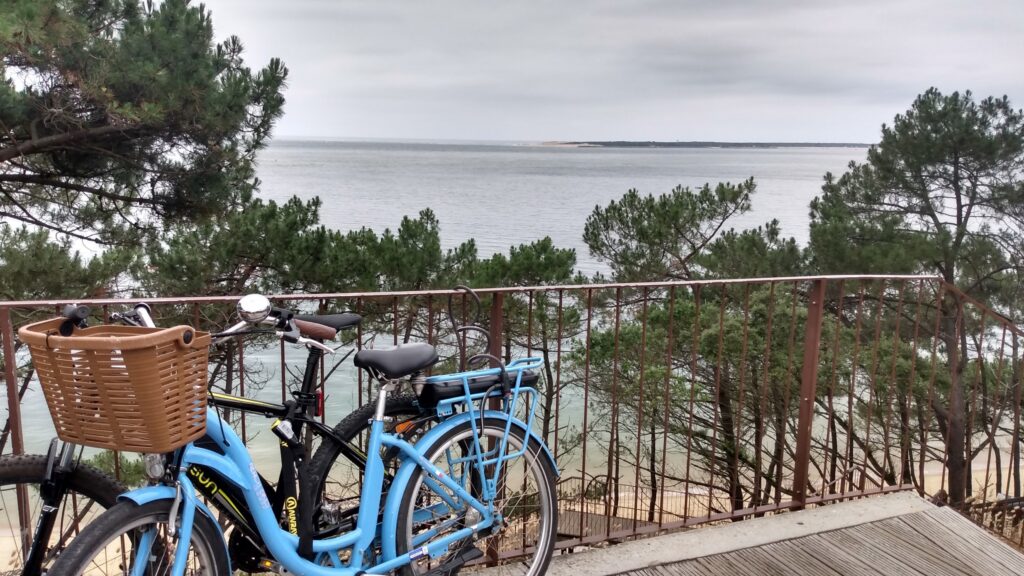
(13, 402)
(808, 389)
(497, 326)
(496, 330)
(14, 419)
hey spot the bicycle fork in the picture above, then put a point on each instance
(185, 502)
(51, 492)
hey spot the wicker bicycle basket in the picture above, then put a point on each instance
(122, 387)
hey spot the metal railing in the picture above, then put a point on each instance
(673, 404)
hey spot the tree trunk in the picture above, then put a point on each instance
(956, 437)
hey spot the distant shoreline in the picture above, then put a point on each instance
(700, 144)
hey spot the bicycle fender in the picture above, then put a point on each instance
(149, 494)
(408, 468)
(153, 493)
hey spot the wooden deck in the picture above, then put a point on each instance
(899, 534)
(938, 542)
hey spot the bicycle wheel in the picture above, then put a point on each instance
(129, 533)
(337, 479)
(523, 544)
(89, 493)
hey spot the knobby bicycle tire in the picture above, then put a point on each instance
(89, 492)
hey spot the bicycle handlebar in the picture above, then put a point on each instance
(288, 328)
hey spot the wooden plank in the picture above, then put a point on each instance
(937, 542)
(904, 542)
(793, 555)
(884, 559)
(687, 568)
(959, 533)
(719, 565)
(759, 562)
(847, 562)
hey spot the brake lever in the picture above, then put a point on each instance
(316, 344)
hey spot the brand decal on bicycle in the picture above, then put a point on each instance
(290, 505)
(418, 553)
(258, 487)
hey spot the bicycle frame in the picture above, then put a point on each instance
(236, 466)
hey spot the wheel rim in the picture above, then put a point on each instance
(117, 554)
(524, 499)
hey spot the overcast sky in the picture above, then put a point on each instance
(728, 70)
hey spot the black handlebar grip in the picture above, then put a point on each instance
(75, 316)
(75, 312)
(282, 313)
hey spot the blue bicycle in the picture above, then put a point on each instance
(477, 487)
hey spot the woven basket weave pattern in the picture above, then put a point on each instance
(123, 388)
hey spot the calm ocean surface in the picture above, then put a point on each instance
(504, 195)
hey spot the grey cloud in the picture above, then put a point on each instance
(651, 69)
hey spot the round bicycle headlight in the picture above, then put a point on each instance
(153, 465)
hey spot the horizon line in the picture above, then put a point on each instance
(550, 142)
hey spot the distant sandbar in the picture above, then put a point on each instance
(701, 144)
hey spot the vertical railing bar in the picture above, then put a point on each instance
(787, 389)
(463, 340)
(872, 379)
(738, 424)
(997, 418)
(613, 438)
(586, 409)
(715, 401)
(432, 338)
(241, 381)
(359, 346)
(973, 409)
(848, 481)
(430, 324)
(284, 369)
(940, 295)
(666, 399)
(394, 320)
(1015, 447)
(116, 454)
(529, 324)
(808, 388)
(558, 371)
(893, 386)
(906, 448)
(321, 307)
(828, 480)
(640, 411)
(765, 368)
(694, 352)
(14, 416)
(495, 330)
